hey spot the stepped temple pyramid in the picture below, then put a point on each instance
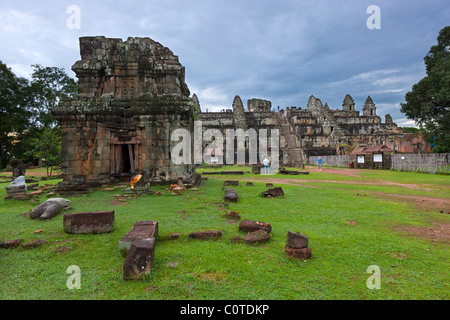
(132, 95)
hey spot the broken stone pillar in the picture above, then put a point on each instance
(49, 208)
(250, 226)
(139, 260)
(89, 222)
(297, 246)
(231, 195)
(140, 230)
(17, 189)
(296, 240)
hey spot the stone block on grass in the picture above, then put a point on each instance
(231, 183)
(231, 195)
(296, 240)
(140, 230)
(258, 236)
(301, 254)
(139, 260)
(88, 222)
(250, 226)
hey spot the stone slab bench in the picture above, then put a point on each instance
(89, 222)
(140, 230)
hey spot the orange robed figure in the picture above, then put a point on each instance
(134, 180)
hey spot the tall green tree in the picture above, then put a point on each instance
(428, 103)
(25, 109)
(48, 86)
(47, 147)
(14, 112)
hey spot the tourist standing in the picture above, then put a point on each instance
(319, 163)
(266, 165)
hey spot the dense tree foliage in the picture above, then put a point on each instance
(428, 103)
(14, 114)
(25, 112)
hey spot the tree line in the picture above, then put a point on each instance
(28, 130)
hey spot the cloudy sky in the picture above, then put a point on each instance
(283, 51)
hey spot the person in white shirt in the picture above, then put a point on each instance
(266, 165)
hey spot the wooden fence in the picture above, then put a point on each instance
(426, 162)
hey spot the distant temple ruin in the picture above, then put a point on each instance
(316, 130)
(133, 96)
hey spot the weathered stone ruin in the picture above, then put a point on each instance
(132, 95)
(315, 130)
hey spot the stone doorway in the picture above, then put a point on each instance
(124, 156)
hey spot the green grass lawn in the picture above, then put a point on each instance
(347, 234)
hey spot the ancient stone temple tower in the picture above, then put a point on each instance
(132, 96)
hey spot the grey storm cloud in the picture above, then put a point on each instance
(283, 51)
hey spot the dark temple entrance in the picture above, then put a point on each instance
(124, 156)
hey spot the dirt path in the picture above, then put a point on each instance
(346, 172)
(294, 181)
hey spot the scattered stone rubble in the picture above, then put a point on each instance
(273, 192)
(231, 195)
(297, 246)
(250, 226)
